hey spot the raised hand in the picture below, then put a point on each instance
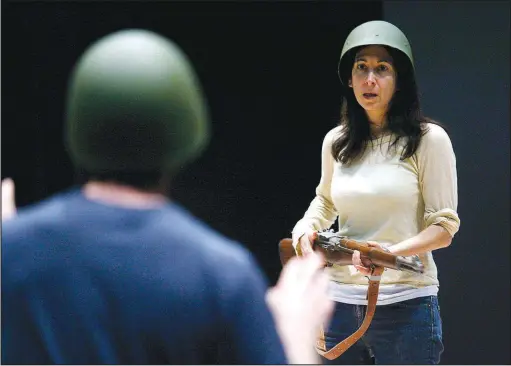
(300, 305)
(8, 199)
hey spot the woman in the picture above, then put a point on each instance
(389, 176)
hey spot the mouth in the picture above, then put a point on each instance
(370, 95)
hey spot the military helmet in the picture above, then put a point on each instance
(134, 104)
(376, 32)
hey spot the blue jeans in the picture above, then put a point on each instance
(408, 332)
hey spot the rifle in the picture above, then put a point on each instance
(338, 250)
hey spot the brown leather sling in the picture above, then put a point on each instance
(339, 250)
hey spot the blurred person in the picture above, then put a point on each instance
(113, 271)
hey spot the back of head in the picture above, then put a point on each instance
(134, 104)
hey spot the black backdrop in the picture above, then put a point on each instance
(269, 71)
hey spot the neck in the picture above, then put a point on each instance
(122, 195)
(377, 121)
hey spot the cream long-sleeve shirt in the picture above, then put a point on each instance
(384, 199)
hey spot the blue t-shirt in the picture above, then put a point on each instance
(88, 283)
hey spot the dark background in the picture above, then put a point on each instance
(269, 71)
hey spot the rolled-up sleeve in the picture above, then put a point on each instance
(438, 180)
(321, 212)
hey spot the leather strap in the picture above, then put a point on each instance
(372, 297)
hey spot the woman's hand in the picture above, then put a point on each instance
(306, 242)
(363, 265)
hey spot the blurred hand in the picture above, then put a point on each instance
(363, 265)
(300, 305)
(8, 201)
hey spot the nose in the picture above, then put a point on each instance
(371, 78)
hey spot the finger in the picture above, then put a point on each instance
(305, 245)
(8, 198)
(308, 249)
(355, 258)
(288, 271)
(377, 245)
(320, 257)
(305, 250)
(269, 296)
(306, 272)
(299, 269)
(363, 270)
(366, 262)
(324, 262)
(272, 298)
(312, 265)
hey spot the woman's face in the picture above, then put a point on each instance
(373, 79)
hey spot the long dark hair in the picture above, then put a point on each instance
(405, 118)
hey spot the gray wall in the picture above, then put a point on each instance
(462, 61)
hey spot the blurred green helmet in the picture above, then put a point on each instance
(134, 103)
(376, 32)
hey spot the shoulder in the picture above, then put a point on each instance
(435, 140)
(332, 135)
(30, 219)
(435, 134)
(435, 144)
(31, 231)
(221, 255)
(226, 270)
(193, 230)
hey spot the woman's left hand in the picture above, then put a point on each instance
(363, 265)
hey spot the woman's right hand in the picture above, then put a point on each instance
(306, 242)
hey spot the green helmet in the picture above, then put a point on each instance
(134, 103)
(376, 32)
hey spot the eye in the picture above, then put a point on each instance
(360, 66)
(383, 68)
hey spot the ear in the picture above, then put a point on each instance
(350, 83)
